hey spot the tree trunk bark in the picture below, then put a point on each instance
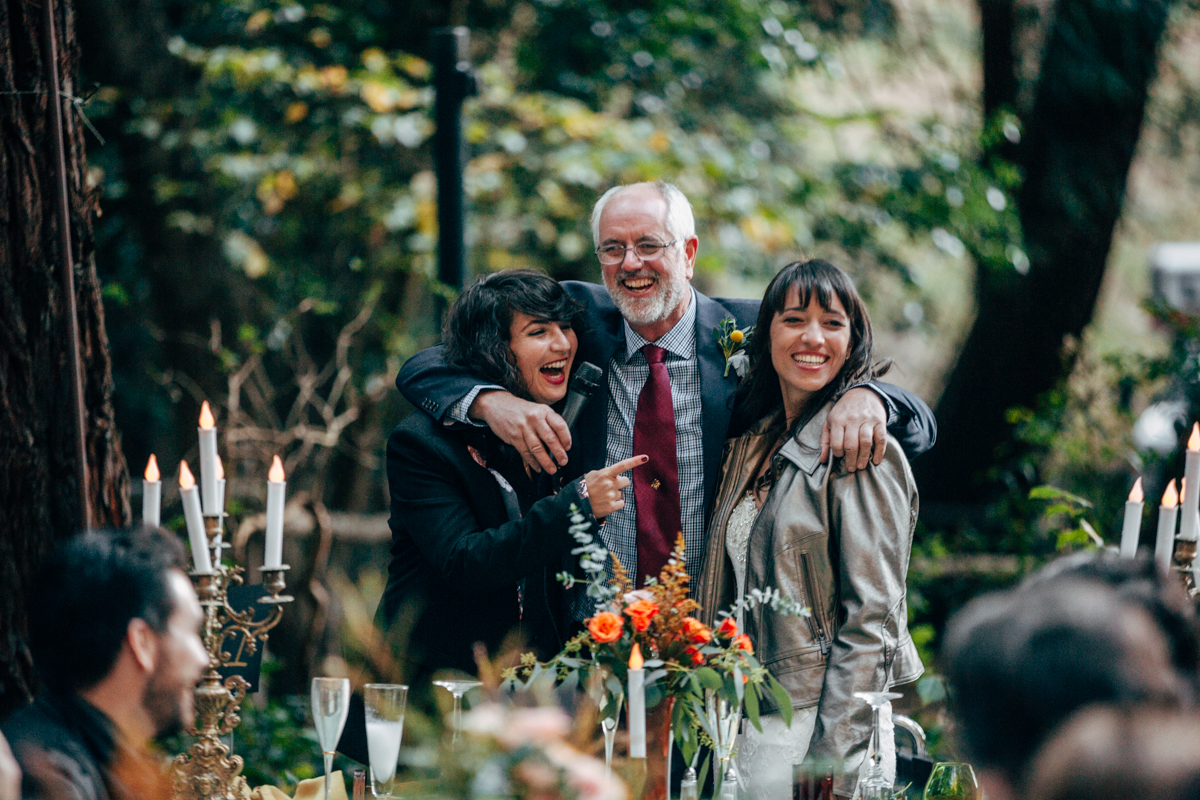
(39, 491)
(1100, 60)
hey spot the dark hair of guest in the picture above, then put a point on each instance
(479, 326)
(759, 393)
(88, 591)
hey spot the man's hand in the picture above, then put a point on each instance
(856, 426)
(605, 487)
(540, 435)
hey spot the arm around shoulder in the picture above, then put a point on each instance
(914, 425)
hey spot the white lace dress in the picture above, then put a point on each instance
(764, 760)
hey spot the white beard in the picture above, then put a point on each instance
(657, 307)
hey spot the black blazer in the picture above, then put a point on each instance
(432, 386)
(458, 561)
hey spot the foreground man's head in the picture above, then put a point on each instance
(114, 620)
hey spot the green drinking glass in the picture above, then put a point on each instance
(952, 781)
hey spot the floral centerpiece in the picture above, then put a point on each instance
(702, 676)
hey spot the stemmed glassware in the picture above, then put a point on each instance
(610, 708)
(875, 785)
(458, 689)
(952, 781)
(384, 704)
(721, 723)
(330, 705)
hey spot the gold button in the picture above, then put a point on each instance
(655, 484)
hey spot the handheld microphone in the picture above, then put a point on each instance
(583, 384)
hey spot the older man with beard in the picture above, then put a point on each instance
(114, 629)
(666, 391)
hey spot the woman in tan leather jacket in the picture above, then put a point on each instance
(835, 540)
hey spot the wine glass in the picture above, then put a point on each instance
(875, 785)
(599, 691)
(330, 705)
(952, 781)
(384, 705)
(458, 689)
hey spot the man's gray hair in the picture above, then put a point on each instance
(680, 221)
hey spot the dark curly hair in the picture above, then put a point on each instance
(479, 326)
(759, 394)
(87, 592)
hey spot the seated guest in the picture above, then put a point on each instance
(1106, 753)
(476, 537)
(1019, 662)
(114, 630)
(1139, 581)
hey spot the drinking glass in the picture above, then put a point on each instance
(384, 703)
(601, 693)
(952, 781)
(458, 689)
(330, 705)
(875, 785)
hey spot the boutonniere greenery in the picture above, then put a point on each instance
(732, 342)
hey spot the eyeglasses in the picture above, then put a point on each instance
(645, 251)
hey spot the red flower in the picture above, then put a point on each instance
(743, 643)
(605, 627)
(728, 628)
(696, 631)
(640, 613)
(695, 654)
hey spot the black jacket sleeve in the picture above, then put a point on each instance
(431, 505)
(914, 427)
(433, 386)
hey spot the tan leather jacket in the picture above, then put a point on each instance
(838, 542)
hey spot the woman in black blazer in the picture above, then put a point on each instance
(476, 538)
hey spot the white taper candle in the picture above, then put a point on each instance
(152, 494)
(201, 560)
(276, 492)
(1132, 524)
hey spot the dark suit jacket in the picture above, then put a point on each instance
(430, 385)
(458, 561)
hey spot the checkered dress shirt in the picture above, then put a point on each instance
(627, 374)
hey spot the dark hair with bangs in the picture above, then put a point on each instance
(478, 328)
(759, 394)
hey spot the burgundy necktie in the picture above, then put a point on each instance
(656, 484)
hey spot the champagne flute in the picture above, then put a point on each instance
(874, 785)
(330, 705)
(458, 689)
(952, 780)
(384, 704)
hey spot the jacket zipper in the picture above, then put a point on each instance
(814, 621)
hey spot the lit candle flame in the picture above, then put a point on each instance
(635, 658)
(152, 473)
(1135, 494)
(186, 479)
(1170, 496)
(276, 474)
(1194, 439)
(220, 470)
(206, 417)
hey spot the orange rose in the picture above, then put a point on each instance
(605, 627)
(728, 628)
(695, 654)
(696, 631)
(743, 643)
(640, 613)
